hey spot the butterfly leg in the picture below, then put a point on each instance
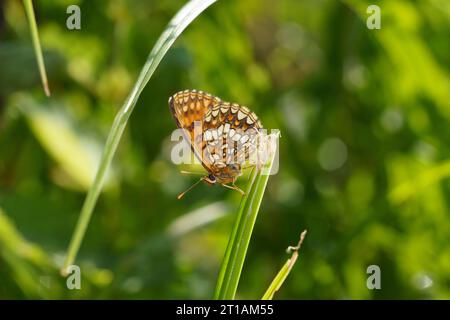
(234, 187)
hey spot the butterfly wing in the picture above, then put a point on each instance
(230, 132)
(189, 108)
(219, 133)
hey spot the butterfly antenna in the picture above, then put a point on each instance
(190, 172)
(181, 195)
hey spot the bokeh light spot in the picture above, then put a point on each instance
(332, 154)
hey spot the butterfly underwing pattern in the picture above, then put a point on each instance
(222, 135)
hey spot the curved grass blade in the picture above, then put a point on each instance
(231, 268)
(36, 44)
(284, 271)
(176, 26)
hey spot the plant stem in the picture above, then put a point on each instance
(36, 44)
(284, 271)
(176, 26)
(236, 251)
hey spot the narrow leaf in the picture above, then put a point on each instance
(36, 44)
(284, 271)
(176, 26)
(236, 251)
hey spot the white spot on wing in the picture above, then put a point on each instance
(244, 139)
(208, 135)
(220, 165)
(240, 115)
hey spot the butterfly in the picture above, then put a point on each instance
(222, 135)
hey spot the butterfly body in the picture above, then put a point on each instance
(222, 135)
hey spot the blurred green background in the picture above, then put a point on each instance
(364, 153)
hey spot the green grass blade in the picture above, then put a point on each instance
(231, 268)
(284, 271)
(36, 44)
(176, 26)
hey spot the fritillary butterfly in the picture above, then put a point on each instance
(222, 135)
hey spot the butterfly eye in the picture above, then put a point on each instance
(212, 177)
